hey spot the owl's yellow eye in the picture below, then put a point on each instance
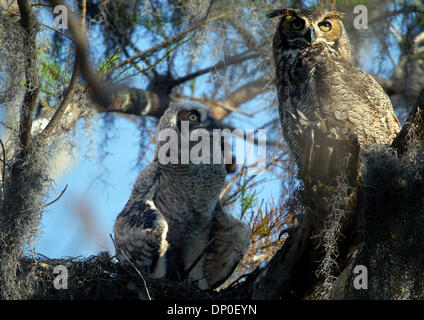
(193, 117)
(325, 26)
(297, 24)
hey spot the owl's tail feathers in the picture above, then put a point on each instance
(140, 238)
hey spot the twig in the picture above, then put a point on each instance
(208, 9)
(145, 59)
(187, 272)
(65, 101)
(41, 5)
(61, 194)
(238, 58)
(238, 280)
(57, 30)
(4, 167)
(134, 64)
(139, 273)
(159, 46)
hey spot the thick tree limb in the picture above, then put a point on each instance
(28, 105)
(32, 82)
(100, 93)
(413, 129)
(72, 86)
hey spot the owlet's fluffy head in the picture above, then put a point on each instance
(188, 121)
(305, 29)
(196, 114)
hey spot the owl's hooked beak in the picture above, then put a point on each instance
(310, 35)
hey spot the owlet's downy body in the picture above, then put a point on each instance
(174, 212)
(322, 94)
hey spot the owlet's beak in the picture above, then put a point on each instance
(310, 35)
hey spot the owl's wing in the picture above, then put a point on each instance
(338, 109)
(232, 241)
(140, 229)
(347, 97)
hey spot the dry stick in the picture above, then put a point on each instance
(4, 166)
(139, 273)
(134, 64)
(238, 280)
(187, 272)
(57, 30)
(61, 194)
(145, 59)
(208, 9)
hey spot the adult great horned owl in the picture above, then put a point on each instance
(174, 213)
(318, 86)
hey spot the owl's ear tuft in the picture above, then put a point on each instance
(280, 12)
(335, 14)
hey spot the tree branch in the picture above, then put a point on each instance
(238, 97)
(159, 46)
(413, 129)
(238, 58)
(65, 101)
(32, 82)
(57, 30)
(100, 93)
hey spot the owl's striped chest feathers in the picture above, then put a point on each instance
(298, 92)
(188, 193)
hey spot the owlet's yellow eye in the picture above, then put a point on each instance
(193, 117)
(325, 26)
(297, 24)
